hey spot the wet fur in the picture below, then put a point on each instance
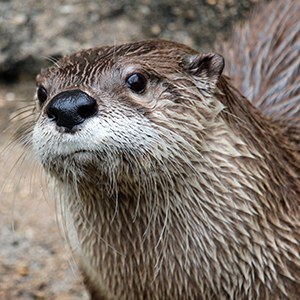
(262, 58)
(185, 192)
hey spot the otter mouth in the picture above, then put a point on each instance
(78, 155)
(80, 151)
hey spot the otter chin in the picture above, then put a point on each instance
(171, 183)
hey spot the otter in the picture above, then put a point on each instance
(172, 184)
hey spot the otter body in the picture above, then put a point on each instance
(172, 184)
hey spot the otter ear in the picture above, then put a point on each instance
(206, 66)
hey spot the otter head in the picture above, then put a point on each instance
(112, 108)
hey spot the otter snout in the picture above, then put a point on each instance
(71, 108)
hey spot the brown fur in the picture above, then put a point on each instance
(262, 58)
(191, 193)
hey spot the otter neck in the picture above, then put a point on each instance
(199, 224)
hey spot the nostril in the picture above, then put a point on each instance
(51, 113)
(88, 110)
(71, 108)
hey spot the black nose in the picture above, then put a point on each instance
(71, 108)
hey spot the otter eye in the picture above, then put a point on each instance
(42, 94)
(137, 82)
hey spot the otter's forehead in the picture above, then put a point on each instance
(159, 55)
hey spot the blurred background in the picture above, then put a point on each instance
(35, 262)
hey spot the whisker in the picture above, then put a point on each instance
(53, 60)
(20, 112)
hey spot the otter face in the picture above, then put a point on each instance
(116, 102)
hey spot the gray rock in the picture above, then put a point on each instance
(34, 31)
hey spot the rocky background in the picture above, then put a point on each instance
(35, 262)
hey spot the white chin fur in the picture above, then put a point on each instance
(95, 135)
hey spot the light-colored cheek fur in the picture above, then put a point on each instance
(98, 134)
